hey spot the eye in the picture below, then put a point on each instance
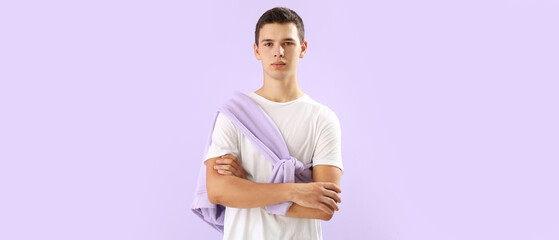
(267, 44)
(288, 43)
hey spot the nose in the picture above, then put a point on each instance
(279, 52)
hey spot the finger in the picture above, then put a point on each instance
(330, 203)
(332, 186)
(229, 161)
(325, 209)
(224, 172)
(229, 156)
(227, 168)
(236, 171)
(223, 167)
(239, 171)
(233, 159)
(333, 195)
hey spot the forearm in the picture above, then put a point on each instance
(227, 186)
(237, 192)
(298, 211)
(241, 193)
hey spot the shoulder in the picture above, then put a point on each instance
(328, 113)
(224, 124)
(324, 118)
(324, 113)
(322, 110)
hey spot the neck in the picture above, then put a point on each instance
(280, 90)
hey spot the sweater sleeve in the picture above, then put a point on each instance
(224, 138)
(328, 147)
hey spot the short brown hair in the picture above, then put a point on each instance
(280, 15)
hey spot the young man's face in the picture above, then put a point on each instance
(279, 49)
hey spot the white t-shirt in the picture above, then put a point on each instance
(312, 133)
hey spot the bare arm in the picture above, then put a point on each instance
(238, 192)
(321, 173)
(233, 191)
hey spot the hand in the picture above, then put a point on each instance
(321, 195)
(229, 165)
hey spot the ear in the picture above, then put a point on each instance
(256, 53)
(303, 49)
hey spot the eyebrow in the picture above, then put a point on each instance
(285, 39)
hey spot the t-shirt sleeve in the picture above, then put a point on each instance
(224, 138)
(328, 148)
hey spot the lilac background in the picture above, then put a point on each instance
(448, 111)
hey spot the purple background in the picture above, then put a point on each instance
(448, 109)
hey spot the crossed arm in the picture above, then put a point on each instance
(226, 185)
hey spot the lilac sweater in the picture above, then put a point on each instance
(263, 133)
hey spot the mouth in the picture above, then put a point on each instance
(278, 65)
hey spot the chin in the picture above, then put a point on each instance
(279, 77)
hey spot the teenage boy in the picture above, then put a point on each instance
(237, 173)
